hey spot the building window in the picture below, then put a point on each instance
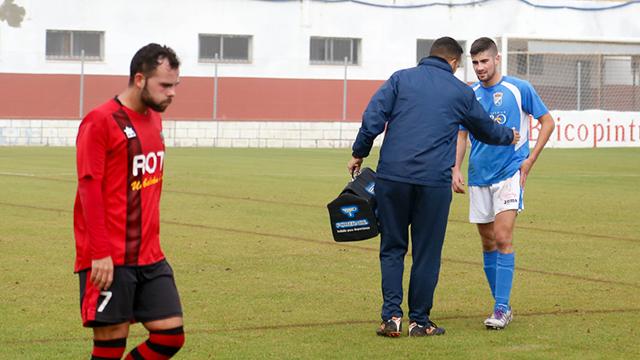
(68, 44)
(635, 66)
(224, 48)
(324, 50)
(423, 48)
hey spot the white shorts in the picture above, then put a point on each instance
(485, 202)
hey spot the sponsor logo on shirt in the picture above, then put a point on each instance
(500, 118)
(129, 132)
(147, 164)
(497, 98)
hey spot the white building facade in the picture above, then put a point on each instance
(299, 73)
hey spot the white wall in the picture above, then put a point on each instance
(574, 129)
(281, 31)
(197, 133)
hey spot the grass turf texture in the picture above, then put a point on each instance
(247, 233)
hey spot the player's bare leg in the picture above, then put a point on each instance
(111, 332)
(503, 231)
(487, 236)
(164, 324)
(109, 342)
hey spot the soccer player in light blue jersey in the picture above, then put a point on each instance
(497, 174)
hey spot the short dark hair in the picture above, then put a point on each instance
(483, 44)
(147, 59)
(446, 48)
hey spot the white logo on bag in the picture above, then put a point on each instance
(371, 188)
(350, 211)
(352, 224)
(148, 164)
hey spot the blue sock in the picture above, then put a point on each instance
(490, 262)
(504, 279)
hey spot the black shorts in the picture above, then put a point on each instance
(137, 294)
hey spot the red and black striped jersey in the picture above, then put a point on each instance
(123, 151)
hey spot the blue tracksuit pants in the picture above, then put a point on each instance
(426, 210)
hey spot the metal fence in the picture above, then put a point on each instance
(572, 75)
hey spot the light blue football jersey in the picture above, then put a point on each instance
(509, 103)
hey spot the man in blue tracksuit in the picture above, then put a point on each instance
(422, 109)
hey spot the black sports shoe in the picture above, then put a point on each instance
(431, 329)
(390, 328)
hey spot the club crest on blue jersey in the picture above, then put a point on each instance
(497, 98)
(350, 211)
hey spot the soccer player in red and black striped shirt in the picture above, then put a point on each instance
(124, 276)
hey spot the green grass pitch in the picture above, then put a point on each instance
(247, 233)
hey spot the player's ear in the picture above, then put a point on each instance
(454, 64)
(139, 80)
(498, 57)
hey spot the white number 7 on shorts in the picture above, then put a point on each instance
(107, 296)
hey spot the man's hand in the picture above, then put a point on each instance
(524, 171)
(516, 136)
(457, 181)
(102, 273)
(354, 165)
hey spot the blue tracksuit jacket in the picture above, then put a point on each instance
(422, 108)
